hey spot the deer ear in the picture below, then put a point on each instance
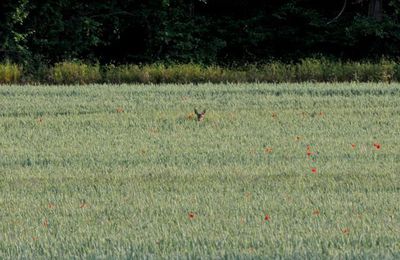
(195, 111)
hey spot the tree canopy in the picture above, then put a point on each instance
(212, 31)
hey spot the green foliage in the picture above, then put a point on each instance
(13, 32)
(202, 32)
(74, 73)
(312, 69)
(181, 73)
(10, 73)
(317, 70)
(81, 178)
(124, 74)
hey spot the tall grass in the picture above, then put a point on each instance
(306, 70)
(10, 73)
(313, 70)
(75, 73)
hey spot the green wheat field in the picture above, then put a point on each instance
(126, 171)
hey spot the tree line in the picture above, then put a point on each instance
(199, 31)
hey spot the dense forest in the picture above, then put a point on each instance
(200, 31)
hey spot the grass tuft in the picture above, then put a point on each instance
(75, 72)
(10, 73)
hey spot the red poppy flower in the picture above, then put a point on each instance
(267, 218)
(345, 231)
(314, 170)
(353, 146)
(191, 215)
(316, 212)
(377, 146)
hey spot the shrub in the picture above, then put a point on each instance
(73, 72)
(125, 74)
(184, 73)
(278, 72)
(10, 73)
(388, 70)
(213, 74)
(310, 70)
(316, 70)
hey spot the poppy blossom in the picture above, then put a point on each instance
(120, 110)
(191, 215)
(377, 146)
(267, 218)
(346, 231)
(316, 212)
(314, 170)
(353, 146)
(268, 149)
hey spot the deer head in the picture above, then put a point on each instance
(200, 116)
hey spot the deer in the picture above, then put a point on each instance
(200, 116)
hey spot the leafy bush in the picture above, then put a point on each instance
(10, 73)
(73, 72)
(310, 70)
(388, 70)
(314, 70)
(124, 74)
(184, 73)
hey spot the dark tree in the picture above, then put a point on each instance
(212, 31)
